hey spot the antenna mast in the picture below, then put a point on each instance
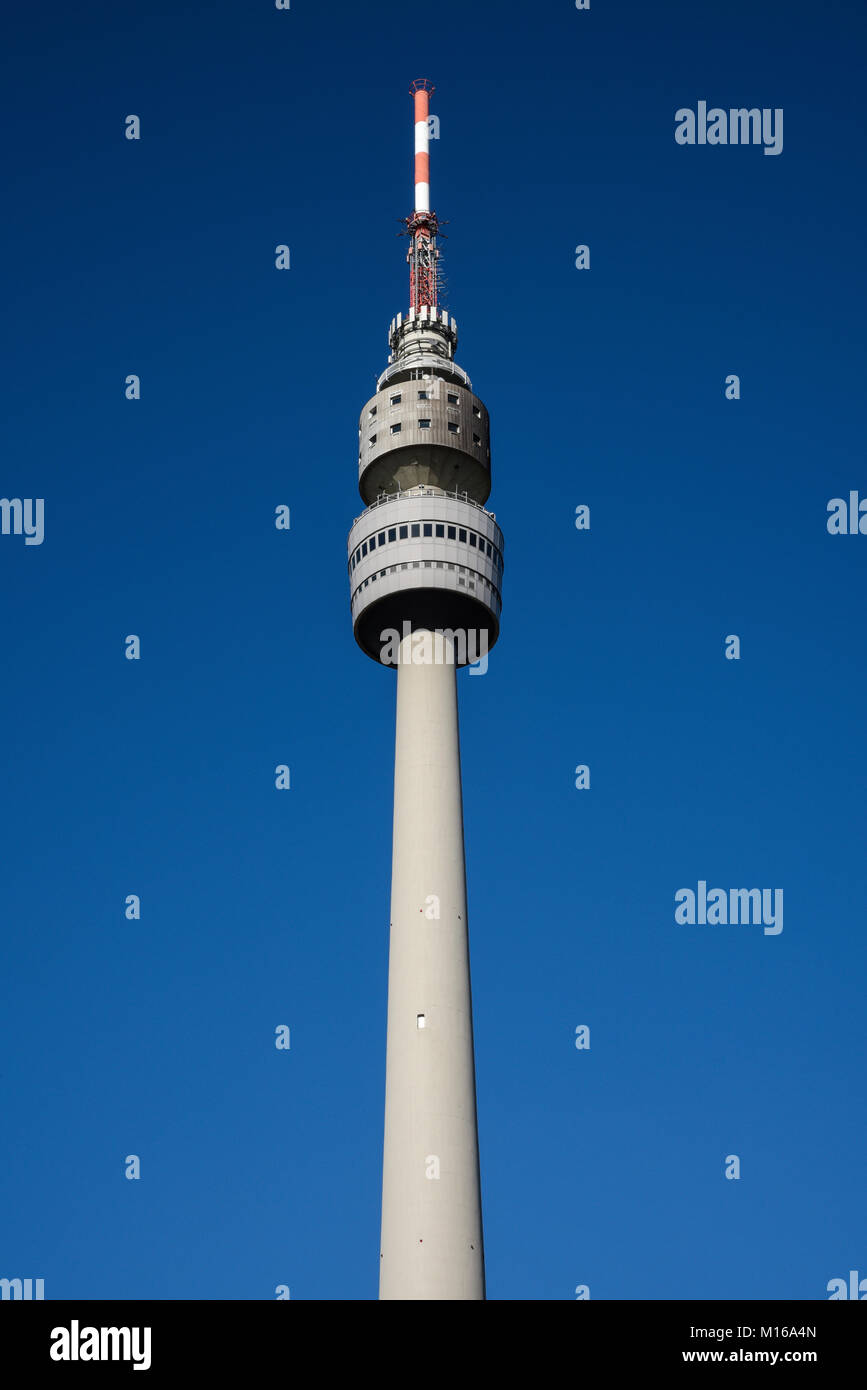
(422, 227)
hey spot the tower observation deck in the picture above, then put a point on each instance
(425, 561)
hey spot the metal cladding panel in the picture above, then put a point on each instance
(429, 510)
(443, 580)
(394, 439)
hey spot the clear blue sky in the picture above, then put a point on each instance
(156, 777)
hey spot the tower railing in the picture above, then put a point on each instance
(424, 492)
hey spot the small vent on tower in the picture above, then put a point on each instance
(419, 1020)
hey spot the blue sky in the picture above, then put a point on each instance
(606, 387)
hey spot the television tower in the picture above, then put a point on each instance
(425, 572)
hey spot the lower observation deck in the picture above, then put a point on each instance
(429, 558)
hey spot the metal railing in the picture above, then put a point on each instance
(424, 492)
(419, 363)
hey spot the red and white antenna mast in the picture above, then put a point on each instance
(422, 227)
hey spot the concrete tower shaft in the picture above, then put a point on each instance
(425, 572)
(431, 1244)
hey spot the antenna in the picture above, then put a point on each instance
(422, 226)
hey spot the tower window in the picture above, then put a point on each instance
(424, 424)
(395, 429)
(477, 439)
(472, 538)
(372, 439)
(428, 529)
(441, 530)
(403, 533)
(452, 533)
(462, 535)
(487, 543)
(453, 400)
(392, 534)
(371, 412)
(477, 412)
(395, 400)
(453, 429)
(422, 395)
(372, 542)
(382, 540)
(415, 530)
(364, 548)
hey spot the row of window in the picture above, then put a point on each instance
(425, 425)
(438, 530)
(467, 579)
(451, 398)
